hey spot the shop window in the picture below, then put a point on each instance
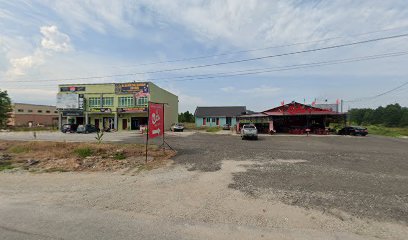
(55, 111)
(107, 101)
(213, 120)
(142, 101)
(39, 111)
(125, 101)
(20, 110)
(94, 102)
(48, 111)
(29, 110)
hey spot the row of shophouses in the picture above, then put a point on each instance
(119, 106)
(124, 106)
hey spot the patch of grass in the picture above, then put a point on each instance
(119, 156)
(55, 170)
(83, 152)
(19, 149)
(6, 166)
(213, 129)
(387, 131)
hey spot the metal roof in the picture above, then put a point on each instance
(221, 111)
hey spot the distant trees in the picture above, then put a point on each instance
(186, 117)
(392, 115)
(5, 108)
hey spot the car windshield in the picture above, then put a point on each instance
(249, 126)
(81, 127)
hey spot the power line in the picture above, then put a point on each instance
(282, 68)
(378, 95)
(236, 61)
(264, 48)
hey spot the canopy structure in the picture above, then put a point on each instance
(294, 118)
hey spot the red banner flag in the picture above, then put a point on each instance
(156, 120)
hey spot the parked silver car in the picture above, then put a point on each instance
(249, 131)
(178, 127)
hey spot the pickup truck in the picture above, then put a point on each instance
(249, 131)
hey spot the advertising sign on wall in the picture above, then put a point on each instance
(102, 110)
(132, 110)
(132, 88)
(67, 101)
(156, 120)
(72, 89)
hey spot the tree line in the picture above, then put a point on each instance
(186, 117)
(5, 108)
(392, 115)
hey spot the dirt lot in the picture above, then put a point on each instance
(220, 187)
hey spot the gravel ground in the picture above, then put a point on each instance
(220, 187)
(362, 176)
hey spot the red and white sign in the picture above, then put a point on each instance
(156, 120)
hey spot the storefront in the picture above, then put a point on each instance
(114, 106)
(294, 118)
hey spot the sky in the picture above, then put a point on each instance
(44, 42)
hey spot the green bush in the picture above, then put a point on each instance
(83, 152)
(119, 156)
(213, 129)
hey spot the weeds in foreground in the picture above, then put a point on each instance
(119, 156)
(83, 152)
(99, 137)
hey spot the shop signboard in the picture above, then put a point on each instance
(132, 110)
(136, 88)
(156, 120)
(68, 101)
(72, 89)
(72, 113)
(101, 110)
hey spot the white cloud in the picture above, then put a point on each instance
(261, 91)
(227, 89)
(54, 40)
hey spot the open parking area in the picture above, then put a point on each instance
(290, 187)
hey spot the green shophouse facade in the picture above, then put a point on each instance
(119, 106)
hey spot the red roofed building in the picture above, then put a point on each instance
(295, 118)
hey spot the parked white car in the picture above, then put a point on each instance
(249, 131)
(178, 127)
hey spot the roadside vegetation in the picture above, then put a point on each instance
(213, 129)
(62, 156)
(391, 120)
(5, 108)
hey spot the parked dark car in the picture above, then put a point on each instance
(226, 127)
(88, 128)
(71, 128)
(353, 130)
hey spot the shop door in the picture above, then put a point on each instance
(228, 121)
(80, 120)
(97, 123)
(124, 124)
(108, 123)
(134, 124)
(218, 121)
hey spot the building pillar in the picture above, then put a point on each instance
(115, 123)
(59, 120)
(86, 118)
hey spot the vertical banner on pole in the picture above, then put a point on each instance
(156, 120)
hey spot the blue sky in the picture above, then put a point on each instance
(41, 40)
